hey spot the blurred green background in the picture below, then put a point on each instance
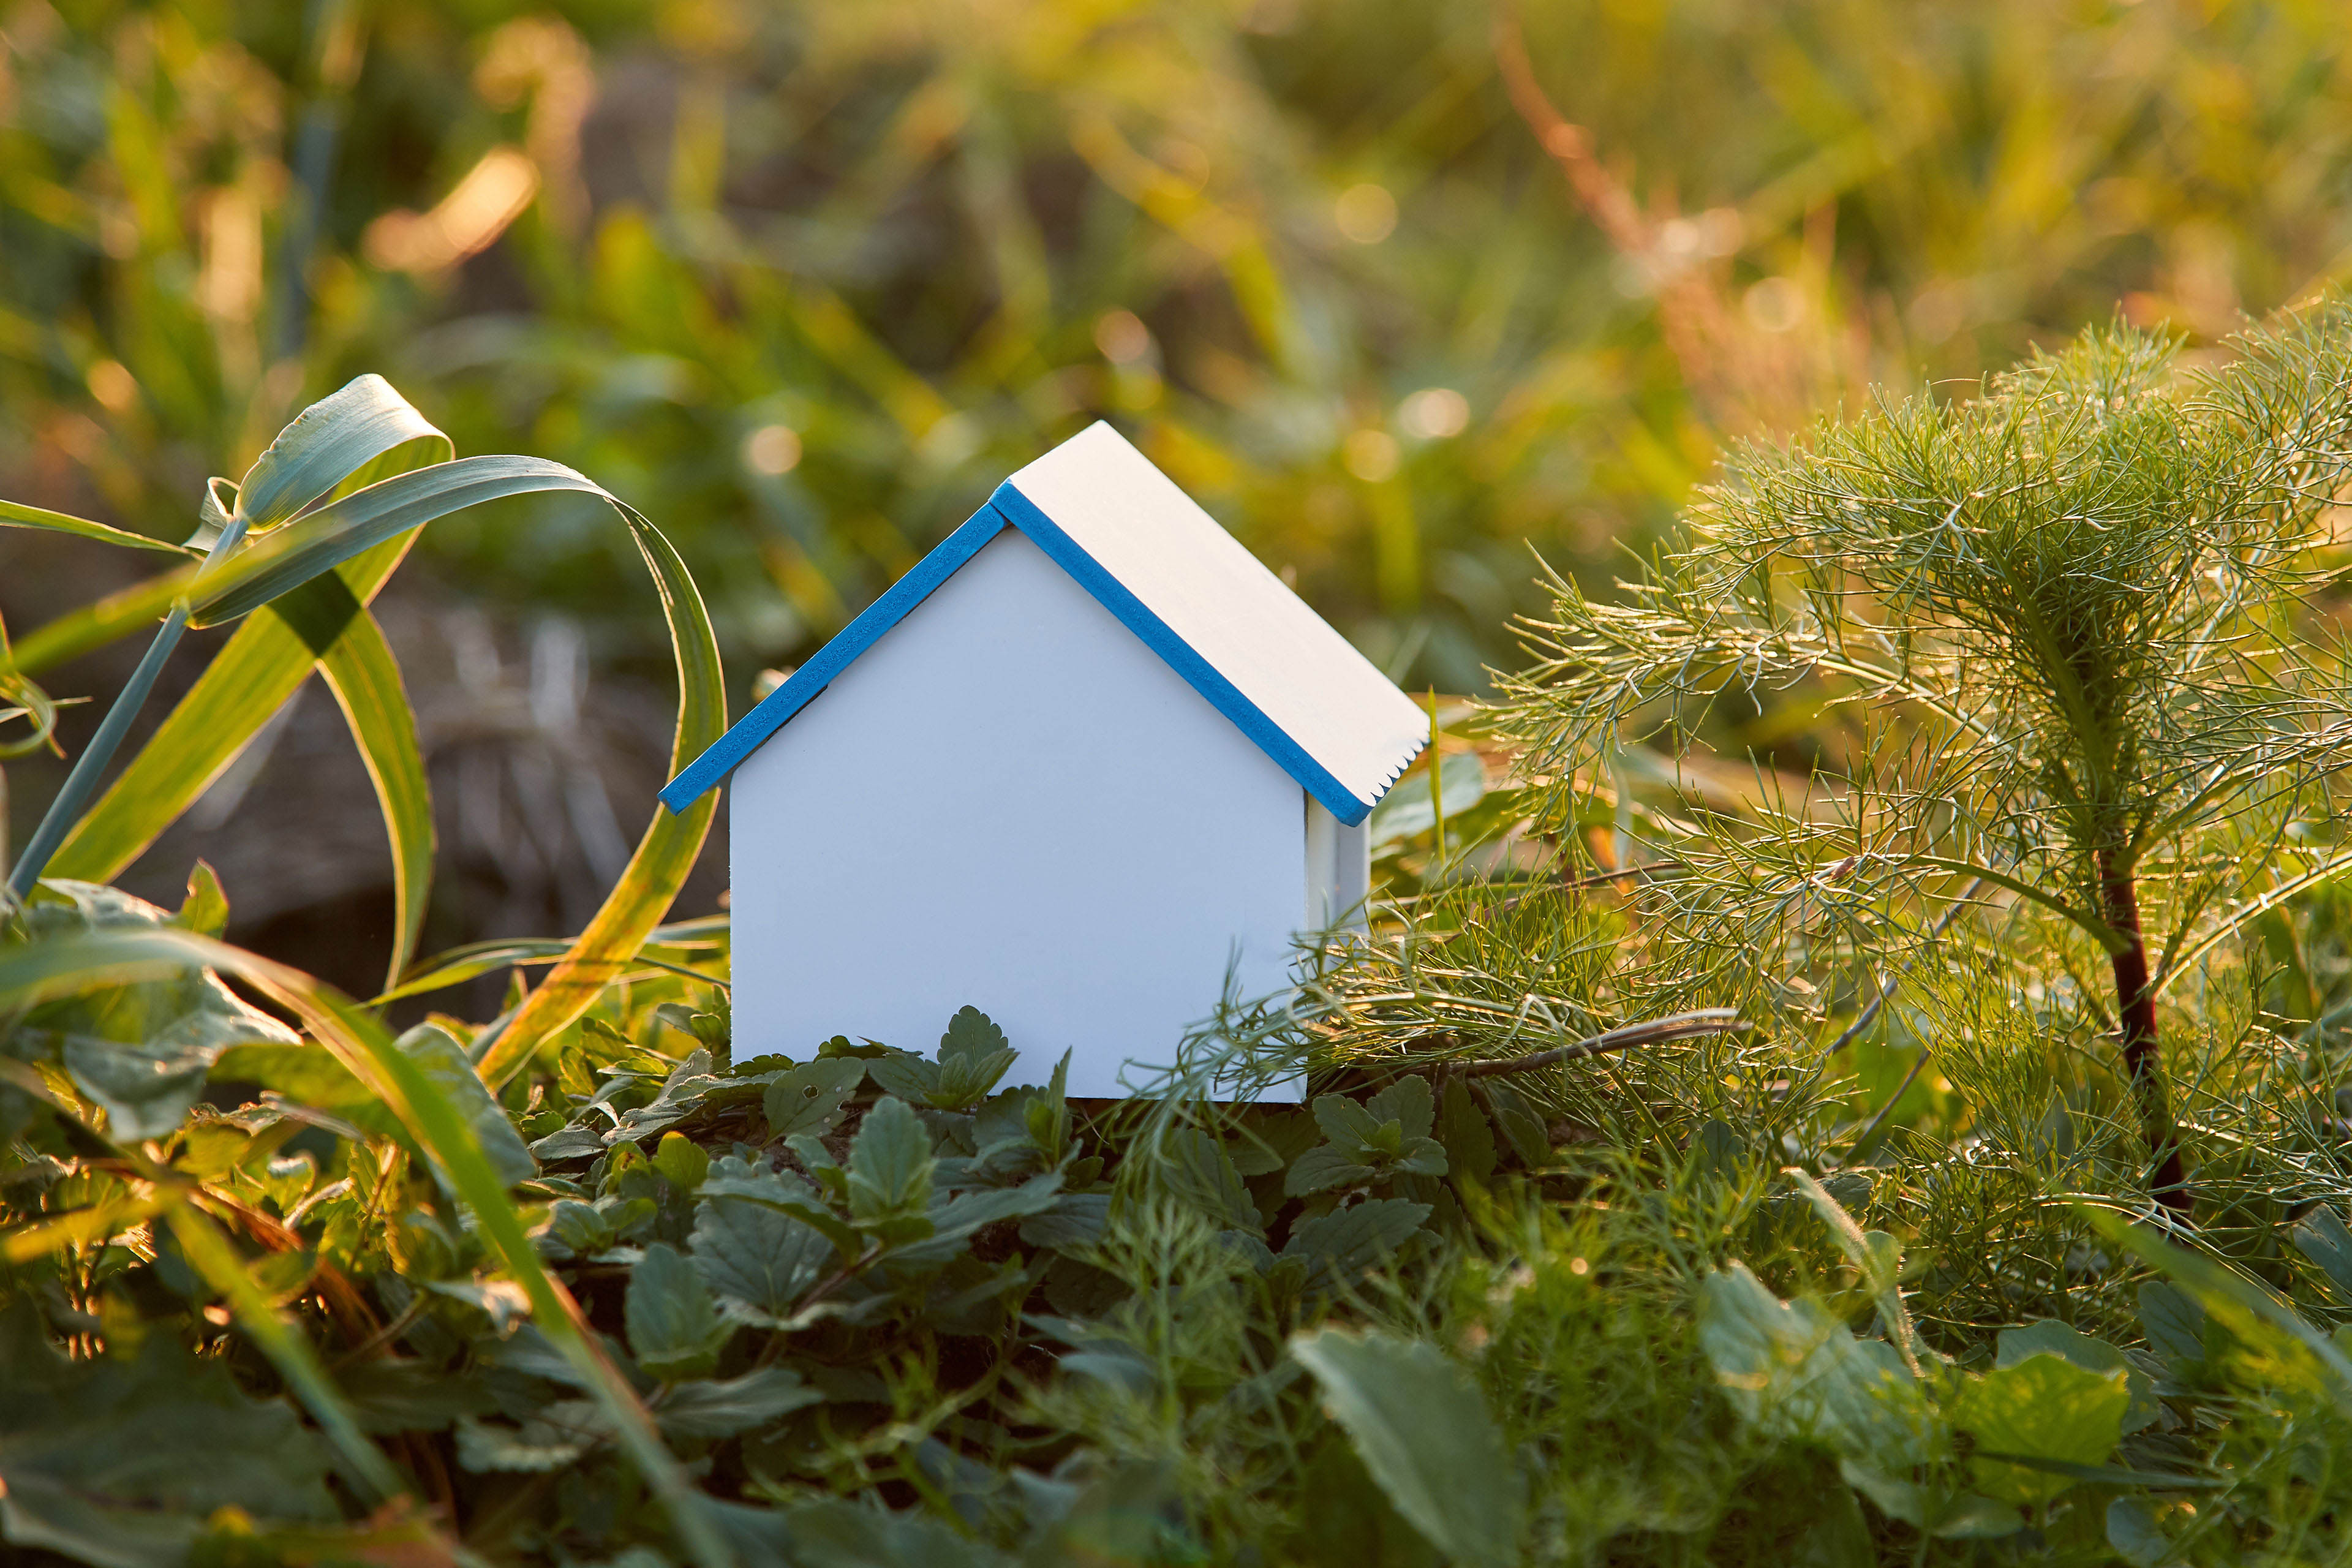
(1398, 289)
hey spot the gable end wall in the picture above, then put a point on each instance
(1009, 801)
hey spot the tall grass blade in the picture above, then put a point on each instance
(667, 852)
(101, 622)
(43, 971)
(16, 514)
(366, 679)
(248, 680)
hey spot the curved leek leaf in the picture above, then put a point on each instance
(127, 610)
(333, 534)
(23, 699)
(457, 966)
(259, 669)
(351, 437)
(667, 852)
(14, 514)
(337, 436)
(248, 680)
(366, 679)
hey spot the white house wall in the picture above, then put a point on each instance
(1339, 869)
(1009, 801)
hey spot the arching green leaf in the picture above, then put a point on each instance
(248, 680)
(667, 852)
(341, 436)
(16, 514)
(133, 609)
(366, 679)
(335, 532)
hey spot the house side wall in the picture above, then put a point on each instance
(1009, 801)
(1338, 870)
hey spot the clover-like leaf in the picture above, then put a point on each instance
(1794, 1371)
(682, 1093)
(758, 1261)
(1337, 1246)
(681, 1162)
(2176, 1324)
(891, 1164)
(1947, 1516)
(1320, 1169)
(552, 1439)
(1406, 1102)
(1386, 1137)
(808, 1098)
(902, 1073)
(1198, 1171)
(674, 1330)
(581, 1230)
(711, 1410)
(2047, 1336)
(569, 1143)
(1467, 1135)
(1074, 1223)
(444, 1059)
(954, 1222)
(973, 1055)
(121, 1458)
(143, 1049)
(1346, 1123)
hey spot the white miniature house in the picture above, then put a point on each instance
(1083, 760)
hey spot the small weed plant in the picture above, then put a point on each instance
(1917, 1136)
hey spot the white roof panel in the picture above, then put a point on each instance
(1215, 599)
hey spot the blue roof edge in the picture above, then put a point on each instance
(806, 684)
(1008, 508)
(1180, 655)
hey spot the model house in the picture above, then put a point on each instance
(1086, 760)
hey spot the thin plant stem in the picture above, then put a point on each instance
(1655, 1031)
(81, 782)
(1869, 1014)
(2136, 1021)
(1862, 1145)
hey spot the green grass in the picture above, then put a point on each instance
(1675, 1188)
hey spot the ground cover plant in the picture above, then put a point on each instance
(1703, 1163)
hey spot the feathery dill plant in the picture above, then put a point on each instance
(2068, 608)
